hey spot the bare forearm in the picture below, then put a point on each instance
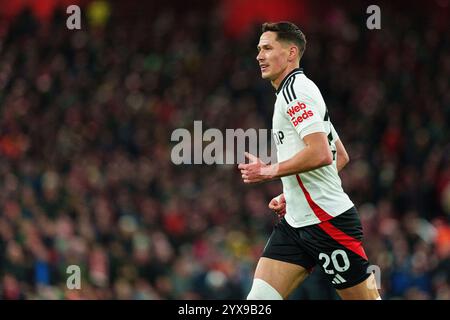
(306, 160)
(340, 163)
(342, 155)
(315, 154)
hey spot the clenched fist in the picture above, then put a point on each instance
(278, 205)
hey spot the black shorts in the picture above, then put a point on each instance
(334, 244)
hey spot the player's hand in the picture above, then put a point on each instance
(256, 171)
(278, 205)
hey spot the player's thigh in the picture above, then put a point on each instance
(284, 264)
(336, 245)
(282, 276)
(366, 290)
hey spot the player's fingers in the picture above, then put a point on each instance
(281, 213)
(273, 204)
(279, 207)
(242, 166)
(252, 158)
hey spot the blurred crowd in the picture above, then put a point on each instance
(86, 176)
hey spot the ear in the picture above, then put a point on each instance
(293, 53)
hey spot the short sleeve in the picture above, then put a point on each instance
(303, 113)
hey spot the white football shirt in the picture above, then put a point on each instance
(316, 195)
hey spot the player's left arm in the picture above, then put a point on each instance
(305, 118)
(342, 157)
(316, 154)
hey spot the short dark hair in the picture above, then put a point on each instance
(287, 31)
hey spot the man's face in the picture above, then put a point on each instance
(272, 56)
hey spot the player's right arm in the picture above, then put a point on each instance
(278, 204)
(342, 156)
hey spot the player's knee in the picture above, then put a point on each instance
(261, 290)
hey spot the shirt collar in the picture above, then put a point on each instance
(296, 70)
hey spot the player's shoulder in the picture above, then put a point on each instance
(304, 85)
(295, 86)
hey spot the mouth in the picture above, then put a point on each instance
(263, 67)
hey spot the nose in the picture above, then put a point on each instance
(259, 57)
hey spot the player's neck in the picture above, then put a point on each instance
(276, 83)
